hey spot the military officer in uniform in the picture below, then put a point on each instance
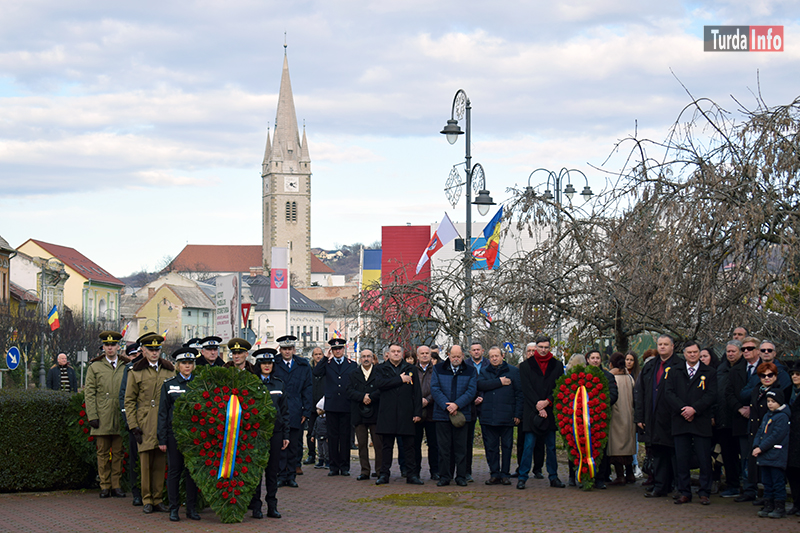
(103, 379)
(263, 368)
(239, 349)
(295, 372)
(142, 398)
(134, 354)
(171, 390)
(209, 351)
(336, 369)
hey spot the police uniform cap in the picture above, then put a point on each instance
(153, 341)
(194, 342)
(265, 355)
(184, 354)
(132, 348)
(212, 341)
(335, 343)
(286, 341)
(110, 337)
(237, 344)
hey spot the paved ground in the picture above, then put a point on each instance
(340, 504)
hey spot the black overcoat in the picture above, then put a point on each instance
(337, 376)
(356, 389)
(794, 428)
(737, 379)
(400, 402)
(538, 386)
(699, 392)
(652, 410)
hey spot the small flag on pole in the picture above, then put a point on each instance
(52, 319)
(445, 233)
(125, 329)
(486, 315)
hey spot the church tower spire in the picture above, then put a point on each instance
(286, 176)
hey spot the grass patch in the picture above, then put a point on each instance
(423, 499)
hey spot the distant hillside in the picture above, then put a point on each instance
(349, 262)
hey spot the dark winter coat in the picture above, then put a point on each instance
(202, 361)
(794, 429)
(613, 390)
(460, 388)
(699, 392)
(773, 438)
(737, 379)
(361, 413)
(54, 378)
(501, 403)
(650, 408)
(296, 389)
(425, 384)
(123, 386)
(400, 402)
(172, 389)
(484, 363)
(538, 386)
(758, 408)
(783, 381)
(337, 376)
(275, 386)
(722, 413)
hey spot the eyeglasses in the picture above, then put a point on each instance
(767, 350)
(767, 375)
(748, 348)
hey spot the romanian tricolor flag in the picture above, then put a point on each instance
(492, 235)
(125, 329)
(337, 334)
(230, 439)
(52, 319)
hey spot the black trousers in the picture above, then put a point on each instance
(174, 473)
(133, 472)
(663, 468)
(450, 436)
(495, 440)
(339, 430)
(685, 446)
(730, 456)
(310, 442)
(433, 447)
(288, 457)
(388, 451)
(470, 444)
(270, 476)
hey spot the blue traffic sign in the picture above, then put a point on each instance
(507, 346)
(12, 358)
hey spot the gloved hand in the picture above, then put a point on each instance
(95, 423)
(137, 434)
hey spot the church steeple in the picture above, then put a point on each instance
(286, 175)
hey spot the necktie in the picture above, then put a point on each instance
(113, 364)
(750, 370)
(691, 372)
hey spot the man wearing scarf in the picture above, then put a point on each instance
(538, 375)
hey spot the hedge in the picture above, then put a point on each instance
(35, 452)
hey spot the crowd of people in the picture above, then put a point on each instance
(691, 411)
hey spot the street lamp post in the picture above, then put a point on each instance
(557, 180)
(462, 108)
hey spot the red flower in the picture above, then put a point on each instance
(82, 413)
(219, 484)
(256, 425)
(235, 391)
(217, 399)
(196, 442)
(216, 463)
(246, 416)
(206, 394)
(225, 495)
(80, 422)
(195, 418)
(203, 435)
(201, 453)
(235, 473)
(603, 396)
(244, 471)
(232, 501)
(238, 460)
(245, 406)
(214, 411)
(603, 416)
(603, 406)
(197, 407)
(91, 438)
(568, 381)
(220, 428)
(226, 389)
(221, 405)
(581, 374)
(247, 426)
(226, 483)
(207, 445)
(83, 405)
(226, 397)
(193, 429)
(243, 436)
(241, 483)
(254, 411)
(213, 473)
(208, 462)
(209, 404)
(596, 379)
(248, 459)
(85, 430)
(249, 446)
(245, 392)
(251, 401)
(202, 421)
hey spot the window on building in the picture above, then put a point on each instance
(294, 211)
(205, 314)
(291, 211)
(189, 313)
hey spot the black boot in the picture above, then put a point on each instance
(780, 510)
(769, 506)
(173, 515)
(272, 511)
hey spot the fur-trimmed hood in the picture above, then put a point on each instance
(144, 363)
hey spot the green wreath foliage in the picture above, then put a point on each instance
(596, 383)
(198, 421)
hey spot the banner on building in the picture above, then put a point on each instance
(279, 279)
(227, 307)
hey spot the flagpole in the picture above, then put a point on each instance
(360, 290)
(289, 283)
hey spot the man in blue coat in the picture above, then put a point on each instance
(295, 372)
(336, 369)
(454, 385)
(501, 409)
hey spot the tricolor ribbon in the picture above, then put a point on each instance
(582, 400)
(702, 383)
(230, 441)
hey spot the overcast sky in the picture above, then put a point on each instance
(129, 129)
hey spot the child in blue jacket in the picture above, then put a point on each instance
(771, 450)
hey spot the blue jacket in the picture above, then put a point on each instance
(460, 389)
(501, 403)
(773, 438)
(296, 389)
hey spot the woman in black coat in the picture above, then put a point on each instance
(265, 362)
(792, 395)
(768, 375)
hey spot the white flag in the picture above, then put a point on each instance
(445, 233)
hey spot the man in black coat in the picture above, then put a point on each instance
(538, 376)
(399, 410)
(691, 394)
(739, 408)
(594, 358)
(61, 375)
(134, 353)
(336, 369)
(364, 401)
(317, 392)
(209, 351)
(295, 373)
(730, 423)
(652, 415)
